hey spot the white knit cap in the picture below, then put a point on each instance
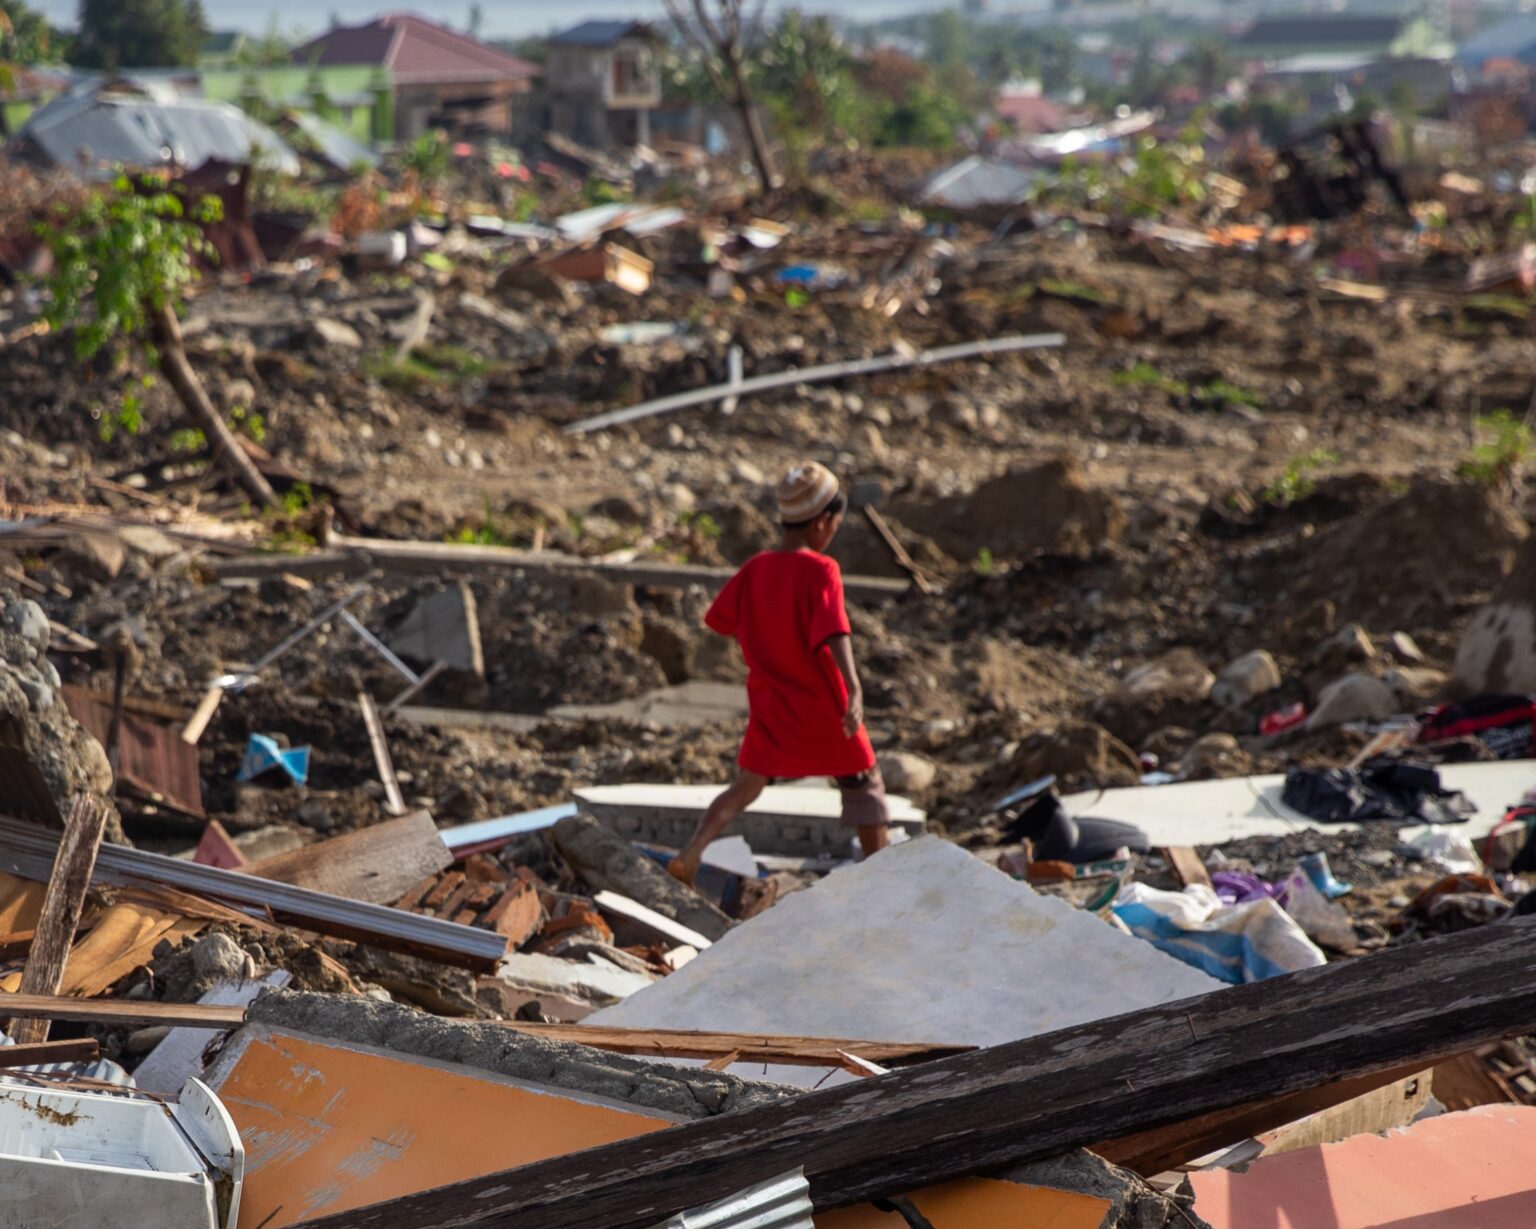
(805, 491)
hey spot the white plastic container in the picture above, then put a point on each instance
(107, 1160)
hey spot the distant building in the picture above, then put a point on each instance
(602, 82)
(440, 78)
(1338, 36)
(1026, 109)
(1504, 51)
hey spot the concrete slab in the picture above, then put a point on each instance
(921, 942)
(1470, 1170)
(787, 819)
(597, 980)
(694, 703)
(1211, 812)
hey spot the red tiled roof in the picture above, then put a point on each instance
(1030, 112)
(415, 50)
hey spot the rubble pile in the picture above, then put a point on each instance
(1187, 568)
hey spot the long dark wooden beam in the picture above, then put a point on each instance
(1030, 1099)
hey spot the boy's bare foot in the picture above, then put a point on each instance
(683, 869)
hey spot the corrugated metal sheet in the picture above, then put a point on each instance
(151, 754)
(93, 133)
(780, 1203)
(977, 182)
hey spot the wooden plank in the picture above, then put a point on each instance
(753, 1047)
(1029, 1099)
(657, 928)
(1185, 864)
(202, 715)
(378, 864)
(393, 802)
(899, 555)
(346, 555)
(1153, 1152)
(118, 1011)
(80, 1050)
(62, 905)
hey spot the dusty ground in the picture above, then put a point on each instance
(1222, 457)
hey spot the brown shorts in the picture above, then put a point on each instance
(864, 804)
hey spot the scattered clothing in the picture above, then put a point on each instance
(1242, 943)
(1381, 789)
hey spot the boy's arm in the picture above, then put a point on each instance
(842, 653)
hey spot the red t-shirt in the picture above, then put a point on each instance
(783, 607)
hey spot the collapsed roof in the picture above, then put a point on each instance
(94, 133)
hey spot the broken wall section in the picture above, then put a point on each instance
(683, 1092)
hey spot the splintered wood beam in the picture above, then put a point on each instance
(748, 1047)
(63, 902)
(1026, 1100)
(83, 1050)
(118, 1011)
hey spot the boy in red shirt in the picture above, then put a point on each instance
(785, 608)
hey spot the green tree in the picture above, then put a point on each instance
(24, 35)
(723, 33)
(1210, 63)
(122, 259)
(118, 34)
(273, 49)
(949, 38)
(1056, 51)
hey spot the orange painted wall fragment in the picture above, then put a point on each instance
(980, 1203)
(1471, 1170)
(329, 1127)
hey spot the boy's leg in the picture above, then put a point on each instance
(865, 809)
(873, 838)
(741, 794)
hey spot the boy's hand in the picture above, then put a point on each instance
(853, 718)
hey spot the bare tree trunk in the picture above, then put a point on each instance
(222, 444)
(768, 175)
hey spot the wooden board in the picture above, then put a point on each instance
(1185, 864)
(1152, 1152)
(394, 803)
(63, 903)
(80, 1050)
(118, 1011)
(1029, 1099)
(748, 1047)
(378, 864)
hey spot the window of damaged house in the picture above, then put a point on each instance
(631, 71)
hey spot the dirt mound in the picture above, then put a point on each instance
(1440, 546)
(1079, 754)
(1045, 509)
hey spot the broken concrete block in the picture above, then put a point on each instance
(606, 860)
(336, 333)
(1246, 678)
(921, 942)
(1355, 697)
(444, 627)
(905, 772)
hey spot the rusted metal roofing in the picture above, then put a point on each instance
(152, 757)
